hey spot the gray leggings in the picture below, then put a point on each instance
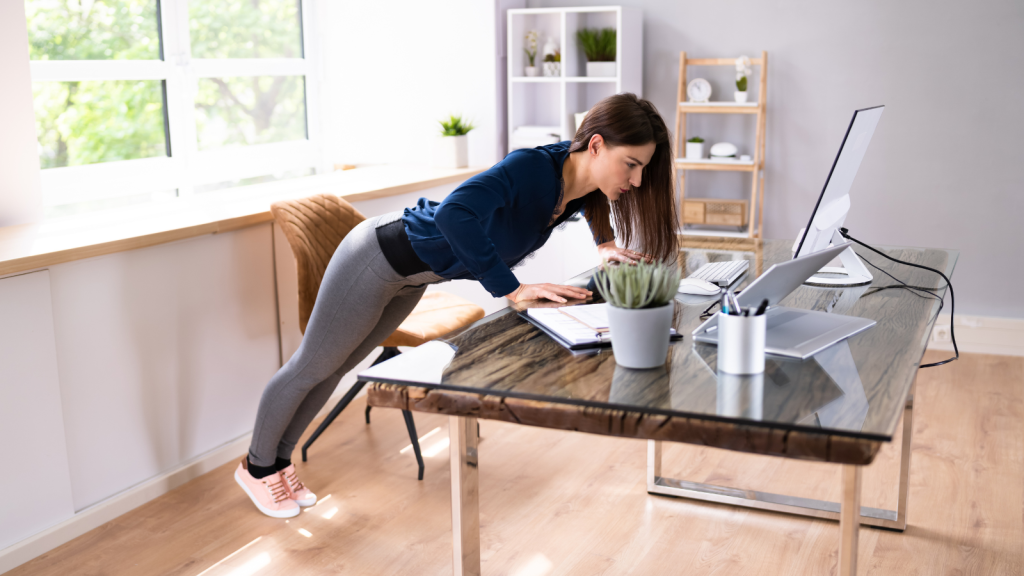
(362, 300)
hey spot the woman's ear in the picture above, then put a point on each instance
(596, 142)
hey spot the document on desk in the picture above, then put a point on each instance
(565, 327)
(576, 327)
(594, 316)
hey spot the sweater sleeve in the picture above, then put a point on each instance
(460, 219)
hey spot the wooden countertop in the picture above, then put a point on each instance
(32, 246)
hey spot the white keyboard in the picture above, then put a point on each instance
(721, 273)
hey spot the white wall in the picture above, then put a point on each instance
(37, 485)
(943, 168)
(393, 69)
(20, 198)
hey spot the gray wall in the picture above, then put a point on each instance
(945, 165)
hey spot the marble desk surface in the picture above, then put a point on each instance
(855, 389)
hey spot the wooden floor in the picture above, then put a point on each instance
(566, 503)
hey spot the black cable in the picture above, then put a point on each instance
(952, 299)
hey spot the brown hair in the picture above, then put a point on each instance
(625, 120)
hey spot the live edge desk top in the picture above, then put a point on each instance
(835, 407)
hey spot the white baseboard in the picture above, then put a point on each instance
(980, 335)
(105, 511)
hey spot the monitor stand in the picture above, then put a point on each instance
(852, 273)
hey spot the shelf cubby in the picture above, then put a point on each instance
(572, 91)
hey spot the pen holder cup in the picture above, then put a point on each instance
(741, 344)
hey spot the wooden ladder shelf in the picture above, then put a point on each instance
(717, 211)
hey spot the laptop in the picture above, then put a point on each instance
(792, 332)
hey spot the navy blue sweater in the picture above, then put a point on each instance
(493, 220)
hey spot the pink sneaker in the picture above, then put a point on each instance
(297, 491)
(269, 494)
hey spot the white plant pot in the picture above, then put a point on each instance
(640, 337)
(740, 96)
(531, 71)
(694, 150)
(552, 69)
(602, 69)
(452, 152)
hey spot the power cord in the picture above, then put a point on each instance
(952, 300)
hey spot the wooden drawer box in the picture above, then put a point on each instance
(713, 211)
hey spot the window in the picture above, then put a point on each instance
(137, 100)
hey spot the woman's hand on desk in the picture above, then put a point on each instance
(553, 292)
(612, 253)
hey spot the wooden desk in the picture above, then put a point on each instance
(837, 407)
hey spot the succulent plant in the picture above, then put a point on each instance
(641, 285)
(696, 140)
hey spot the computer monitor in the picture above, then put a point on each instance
(833, 204)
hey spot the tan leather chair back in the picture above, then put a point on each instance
(314, 227)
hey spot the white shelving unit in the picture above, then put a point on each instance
(552, 102)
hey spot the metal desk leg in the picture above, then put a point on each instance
(462, 434)
(880, 518)
(849, 521)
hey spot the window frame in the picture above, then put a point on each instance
(186, 167)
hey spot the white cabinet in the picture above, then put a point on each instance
(546, 105)
(36, 486)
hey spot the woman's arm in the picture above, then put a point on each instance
(459, 218)
(612, 253)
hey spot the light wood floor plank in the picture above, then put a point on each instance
(565, 503)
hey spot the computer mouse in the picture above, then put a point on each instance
(697, 286)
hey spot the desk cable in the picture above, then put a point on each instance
(922, 291)
(916, 289)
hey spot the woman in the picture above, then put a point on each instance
(619, 162)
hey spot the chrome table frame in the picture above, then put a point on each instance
(880, 518)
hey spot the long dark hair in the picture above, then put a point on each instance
(648, 212)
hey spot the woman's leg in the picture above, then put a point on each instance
(392, 317)
(357, 287)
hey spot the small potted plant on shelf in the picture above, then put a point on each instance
(695, 148)
(531, 52)
(599, 47)
(742, 71)
(452, 150)
(552, 64)
(641, 300)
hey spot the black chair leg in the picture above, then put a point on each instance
(345, 400)
(415, 440)
(388, 353)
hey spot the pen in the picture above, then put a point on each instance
(724, 304)
(762, 307)
(734, 304)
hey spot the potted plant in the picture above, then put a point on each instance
(531, 52)
(599, 47)
(552, 64)
(640, 300)
(453, 151)
(742, 71)
(695, 148)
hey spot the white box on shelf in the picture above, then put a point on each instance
(601, 69)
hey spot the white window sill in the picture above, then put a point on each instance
(59, 240)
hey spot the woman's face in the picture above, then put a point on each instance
(615, 169)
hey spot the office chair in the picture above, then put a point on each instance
(314, 227)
